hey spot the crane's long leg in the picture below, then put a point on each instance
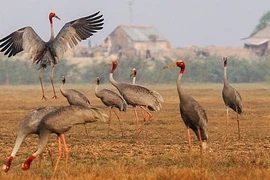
(137, 122)
(85, 129)
(59, 154)
(119, 121)
(189, 143)
(66, 150)
(238, 124)
(144, 119)
(51, 78)
(110, 118)
(227, 115)
(201, 146)
(227, 123)
(149, 117)
(41, 83)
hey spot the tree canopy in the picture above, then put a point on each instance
(263, 22)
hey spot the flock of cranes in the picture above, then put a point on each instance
(58, 120)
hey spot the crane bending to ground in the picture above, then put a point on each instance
(28, 125)
(49, 53)
(59, 122)
(192, 113)
(74, 97)
(231, 98)
(137, 96)
(112, 100)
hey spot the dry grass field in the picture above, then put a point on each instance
(162, 151)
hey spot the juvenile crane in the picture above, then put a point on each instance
(59, 122)
(192, 113)
(134, 75)
(49, 53)
(112, 100)
(137, 96)
(74, 97)
(28, 125)
(231, 98)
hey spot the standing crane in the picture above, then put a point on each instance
(111, 99)
(192, 113)
(28, 125)
(231, 98)
(49, 53)
(137, 96)
(74, 97)
(133, 75)
(59, 122)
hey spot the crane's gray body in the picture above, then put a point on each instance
(136, 95)
(232, 98)
(75, 97)
(193, 115)
(112, 99)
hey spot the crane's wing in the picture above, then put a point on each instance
(75, 31)
(23, 39)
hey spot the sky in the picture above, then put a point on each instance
(182, 22)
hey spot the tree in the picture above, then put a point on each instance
(263, 22)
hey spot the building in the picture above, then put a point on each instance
(136, 40)
(258, 42)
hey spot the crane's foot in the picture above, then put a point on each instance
(55, 97)
(44, 98)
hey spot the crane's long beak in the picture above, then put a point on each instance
(57, 17)
(170, 66)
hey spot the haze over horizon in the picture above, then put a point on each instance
(182, 22)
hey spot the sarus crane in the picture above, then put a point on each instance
(112, 100)
(59, 122)
(49, 53)
(74, 97)
(136, 95)
(133, 74)
(28, 125)
(231, 98)
(192, 113)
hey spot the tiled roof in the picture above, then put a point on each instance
(142, 33)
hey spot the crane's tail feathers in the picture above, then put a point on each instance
(157, 103)
(158, 96)
(98, 115)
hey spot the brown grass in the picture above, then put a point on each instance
(162, 151)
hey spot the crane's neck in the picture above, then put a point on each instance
(179, 84)
(52, 30)
(225, 73)
(62, 90)
(96, 89)
(134, 80)
(113, 82)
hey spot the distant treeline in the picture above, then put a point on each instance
(210, 69)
